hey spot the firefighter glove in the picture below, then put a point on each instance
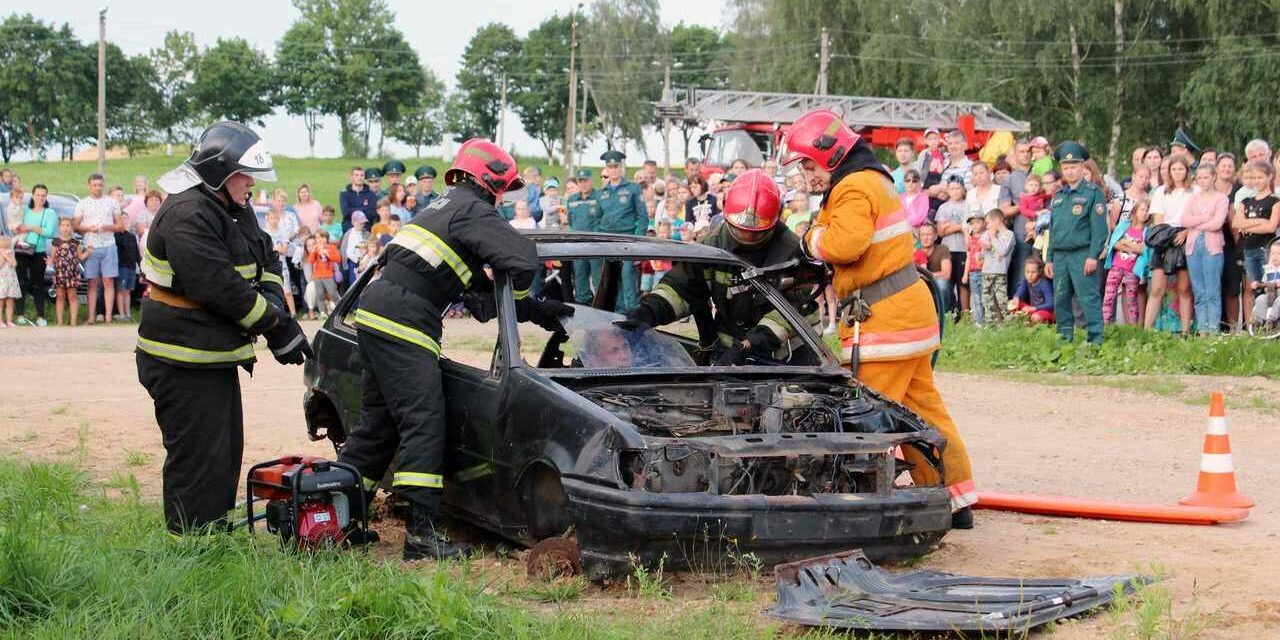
(482, 305)
(288, 343)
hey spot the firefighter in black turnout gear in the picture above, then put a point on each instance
(744, 323)
(433, 261)
(215, 286)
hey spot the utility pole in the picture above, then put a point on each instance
(102, 91)
(502, 114)
(570, 127)
(666, 120)
(822, 65)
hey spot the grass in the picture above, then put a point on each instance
(79, 560)
(325, 176)
(1147, 614)
(1124, 351)
(136, 458)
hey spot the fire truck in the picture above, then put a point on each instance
(750, 124)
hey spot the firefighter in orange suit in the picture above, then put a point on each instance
(891, 327)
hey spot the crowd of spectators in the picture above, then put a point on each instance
(1192, 244)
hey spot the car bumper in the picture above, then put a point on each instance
(698, 530)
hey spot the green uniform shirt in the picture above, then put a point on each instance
(584, 212)
(1078, 220)
(622, 209)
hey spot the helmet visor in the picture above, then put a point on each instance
(517, 191)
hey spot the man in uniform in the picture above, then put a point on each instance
(1077, 235)
(426, 175)
(215, 285)
(861, 231)
(1182, 145)
(622, 210)
(393, 170)
(584, 215)
(373, 177)
(745, 323)
(434, 259)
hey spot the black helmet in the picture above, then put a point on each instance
(425, 170)
(224, 149)
(392, 166)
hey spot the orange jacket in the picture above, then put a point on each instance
(862, 232)
(322, 269)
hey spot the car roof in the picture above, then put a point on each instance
(580, 244)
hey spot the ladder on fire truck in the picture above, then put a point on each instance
(859, 112)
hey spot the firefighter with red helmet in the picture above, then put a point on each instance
(745, 323)
(890, 327)
(435, 260)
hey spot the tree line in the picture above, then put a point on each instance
(1111, 73)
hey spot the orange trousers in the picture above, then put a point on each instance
(910, 382)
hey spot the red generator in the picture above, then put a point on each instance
(308, 500)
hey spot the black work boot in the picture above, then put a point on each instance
(962, 519)
(423, 540)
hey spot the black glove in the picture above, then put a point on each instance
(288, 343)
(638, 319)
(544, 313)
(734, 356)
(482, 305)
(763, 341)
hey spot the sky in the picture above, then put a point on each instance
(439, 31)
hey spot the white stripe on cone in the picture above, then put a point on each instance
(1217, 426)
(1216, 463)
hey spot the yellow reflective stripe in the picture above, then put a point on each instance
(157, 271)
(397, 330)
(774, 322)
(522, 294)
(255, 314)
(271, 278)
(438, 246)
(473, 473)
(678, 305)
(247, 271)
(414, 479)
(370, 484)
(723, 277)
(179, 353)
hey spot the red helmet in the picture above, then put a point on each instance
(753, 202)
(492, 168)
(820, 136)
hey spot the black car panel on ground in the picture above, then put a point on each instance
(656, 452)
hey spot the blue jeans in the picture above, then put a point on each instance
(975, 297)
(1205, 270)
(1253, 261)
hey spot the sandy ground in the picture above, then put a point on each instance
(73, 394)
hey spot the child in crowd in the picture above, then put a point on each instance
(1031, 204)
(997, 247)
(797, 211)
(937, 259)
(972, 295)
(329, 223)
(1266, 302)
(309, 289)
(658, 268)
(1049, 186)
(554, 214)
(128, 256)
(68, 253)
(352, 246)
(950, 220)
(1034, 297)
(10, 290)
(382, 226)
(1126, 263)
(369, 257)
(523, 219)
(324, 259)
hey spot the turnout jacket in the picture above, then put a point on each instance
(213, 258)
(434, 259)
(740, 312)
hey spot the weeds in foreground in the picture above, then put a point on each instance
(556, 591)
(648, 584)
(136, 458)
(1147, 614)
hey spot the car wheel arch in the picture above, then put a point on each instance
(546, 505)
(323, 419)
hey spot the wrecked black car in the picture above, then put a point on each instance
(634, 445)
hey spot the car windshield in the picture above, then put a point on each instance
(602, 344)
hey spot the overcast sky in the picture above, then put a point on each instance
(439, 31)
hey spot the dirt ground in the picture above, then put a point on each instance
(74, 395)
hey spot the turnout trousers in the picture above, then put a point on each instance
(402, 410)
(1070, 279)
(202, 425)
(910, 382)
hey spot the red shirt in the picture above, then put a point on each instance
(322, 268)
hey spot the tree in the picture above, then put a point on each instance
(174, 63)
(234, 81)
(484, 62)
(540, 88)
(458, 120)
(304, 72)
(621, 62)
(695, 62)
(424, 124)
(132, 100)
(399, 87)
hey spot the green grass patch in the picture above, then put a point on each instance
(1124, 351)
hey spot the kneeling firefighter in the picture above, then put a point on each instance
(215, 285)
(431, 263)
(744, 323)
(890, 328)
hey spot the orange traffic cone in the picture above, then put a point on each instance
(1217, 484)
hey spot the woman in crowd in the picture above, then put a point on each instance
(914, 200)
(738, 167)
(307, 208)
(1167, 207)
(985, 194)
(289, 219)
(13, 207)
(1233, 257)
(701, 206)
(1256, 218)
(36, 227)
(1153, 160)
(1121, 207)
(1205, 214)
(395, 196)
(279, 233)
